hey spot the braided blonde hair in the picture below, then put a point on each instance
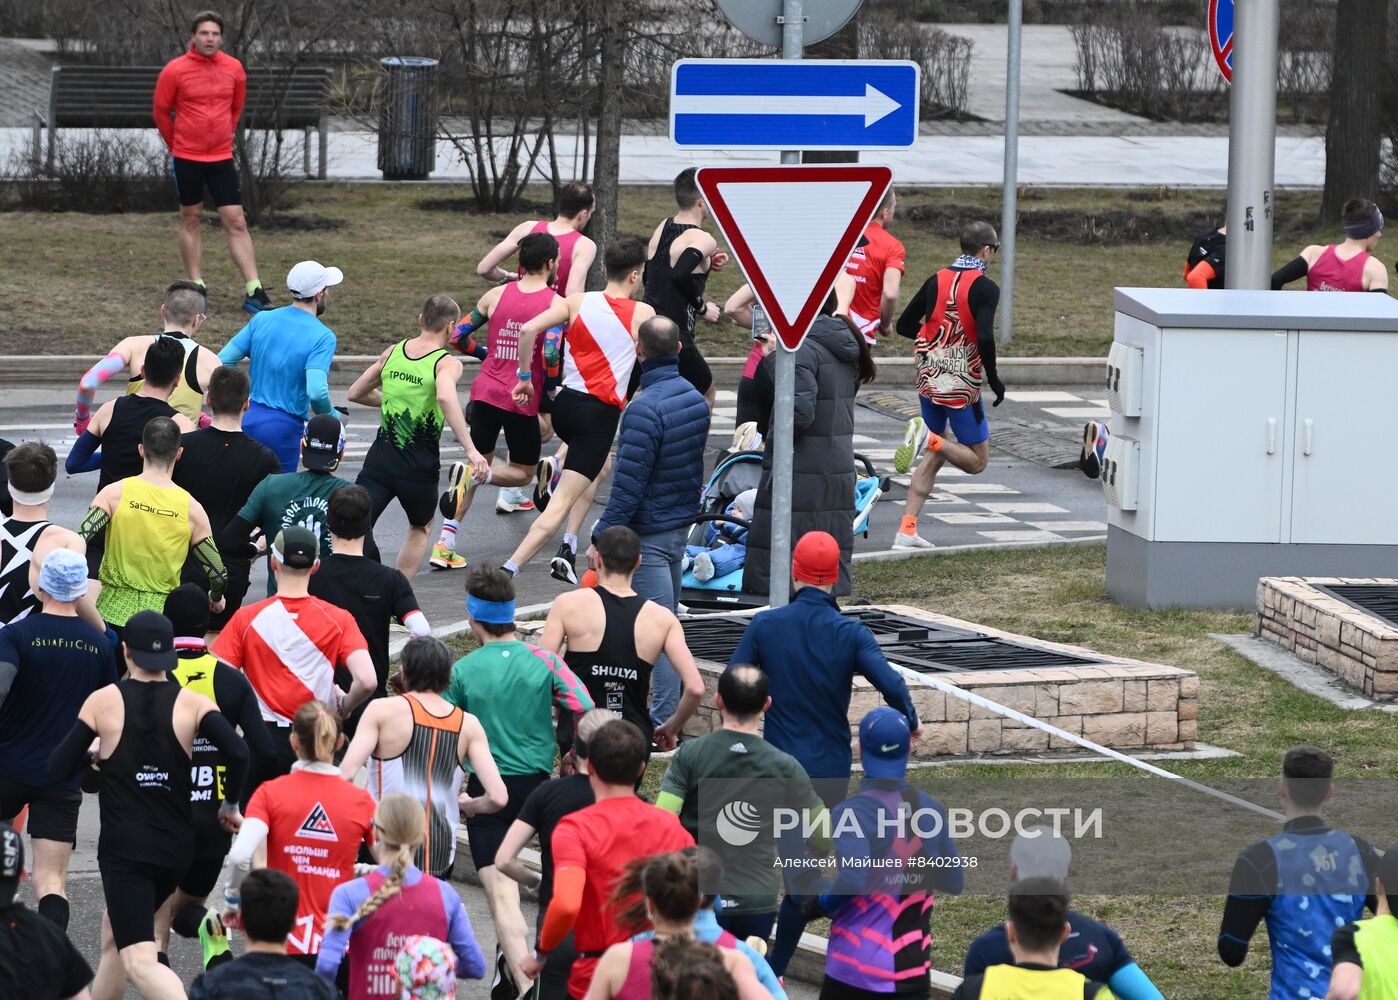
(402, 825)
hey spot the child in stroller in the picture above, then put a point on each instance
(725, 543)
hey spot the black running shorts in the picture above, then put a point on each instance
(418, 497)
(487, 830)
(202, 875)
(521, 432)
(693, 368)
(219, 178)
(588, 426)
(134, 892)
(53, 812)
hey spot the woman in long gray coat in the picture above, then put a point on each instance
(831, 364)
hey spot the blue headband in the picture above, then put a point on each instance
(1365, 228)
(490, 612)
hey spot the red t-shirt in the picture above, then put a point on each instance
(315, 824)
(601, 840)
(868, 264)
(289, 648)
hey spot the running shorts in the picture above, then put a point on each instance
(219, 179)
(53, 812)
(968, 423)
(588, 426)
(521, 433)
(487, 831)
(134, 892)
(278, 430)
(417, 496)
(202, 874)
(693, 368)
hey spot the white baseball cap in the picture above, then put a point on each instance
(309, 277)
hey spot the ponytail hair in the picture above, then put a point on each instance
(668, 882)
(684, 969)
(401, 825)
(317, 731)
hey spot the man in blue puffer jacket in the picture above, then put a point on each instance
(658, 477)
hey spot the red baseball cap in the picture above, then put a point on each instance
(816, 558)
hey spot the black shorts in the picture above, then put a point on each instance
(134, 892)
(219, 178)
(487, 831)
(202, 875)
(588, 426)
(693, 368)
(521, 432)
(283, 758)
(53, 812)
(418, 497)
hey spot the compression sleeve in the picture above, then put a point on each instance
(94, 523)
(1292, 270)
(251, 835)
(690, 284)
(1131, 983)
(318, 388)
(564, 907)
(670, 802)
(70, 755)
(206, 554)
(215, 728)
(416, 623)
(84, 457)
(89, 384)
(1199, 277)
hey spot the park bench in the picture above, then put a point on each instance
(122, 97)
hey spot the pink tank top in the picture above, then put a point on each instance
(566, 242)
(1331, 274)
(375, 942)
(497, 378)
(636, 985)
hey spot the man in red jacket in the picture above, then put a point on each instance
(198, 100)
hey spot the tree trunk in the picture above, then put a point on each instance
(1352, 137)
(843, 44)
(606, 169)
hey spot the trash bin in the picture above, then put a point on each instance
(408, 118)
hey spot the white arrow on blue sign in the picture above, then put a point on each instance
(805, 104)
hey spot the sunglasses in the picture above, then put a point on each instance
(994, 247)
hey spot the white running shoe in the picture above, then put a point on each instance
(511, 499)
(915, 436)
(913, 541)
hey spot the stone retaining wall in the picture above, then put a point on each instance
(1358, 648)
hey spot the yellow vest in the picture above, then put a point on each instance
(147, 541)
(1010, 982)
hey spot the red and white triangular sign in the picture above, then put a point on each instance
(792, 228)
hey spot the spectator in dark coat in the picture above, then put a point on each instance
(659, 476)
(831, 364)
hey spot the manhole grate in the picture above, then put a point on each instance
(1377, 599)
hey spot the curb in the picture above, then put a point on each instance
(894, 372)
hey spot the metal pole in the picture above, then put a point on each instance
(1009, 197)
(1252, 142)
(784, 404)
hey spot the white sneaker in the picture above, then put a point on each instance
(913, 541)
(511, 499)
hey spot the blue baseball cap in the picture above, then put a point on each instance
(63, 575)
(884, 743)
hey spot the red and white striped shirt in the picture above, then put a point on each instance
(599, 349)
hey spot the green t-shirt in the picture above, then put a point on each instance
(410, 418)
(747, 768)
(293, 498)
(511, 687)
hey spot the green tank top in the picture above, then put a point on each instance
(1377, 942)
(410, 425)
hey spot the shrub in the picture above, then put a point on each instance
(97, 171)
(945, 59)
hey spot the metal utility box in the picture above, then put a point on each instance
(1260, 445)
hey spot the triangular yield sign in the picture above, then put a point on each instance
(792, 229)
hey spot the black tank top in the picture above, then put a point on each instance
(145, 808)
(120, 457)
(661, 293)
(616, 677)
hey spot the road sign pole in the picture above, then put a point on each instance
(784, 402)
(1252, 141)
(1009, 198)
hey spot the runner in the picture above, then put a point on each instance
(49, 663)
(576, 252)
(152, 526)
(509, 309)
(414, 385)
(877, 266)
(591, 849)
(1364, 951)
(1342, 267)
(952, 318)
(220, 466)
(289, 351)
(614, 636)
(183, 312)
(27, 536)
(290, 645)
(1204, 264)
(36, 958)
(198, 101)
(312, 821)
(145, 727)
(187, 607)
(374, 917)
(678, 261)
(419, 744)
(512, 688)
(599, 357)
(116, 427)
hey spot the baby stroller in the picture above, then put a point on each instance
(743, 471)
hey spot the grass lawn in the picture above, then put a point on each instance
(1075, 246)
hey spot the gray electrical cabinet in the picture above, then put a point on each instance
(1253, 434)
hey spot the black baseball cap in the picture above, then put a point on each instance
(150, 640)
(11, 863)
(187, 607)
(323, 443)
(296, 548)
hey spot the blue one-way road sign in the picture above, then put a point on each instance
(805, 104)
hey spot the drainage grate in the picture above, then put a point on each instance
(914, 643)
(1377, 599)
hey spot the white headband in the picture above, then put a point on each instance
(30, 499)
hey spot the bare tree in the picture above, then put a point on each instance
(1355, 130)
